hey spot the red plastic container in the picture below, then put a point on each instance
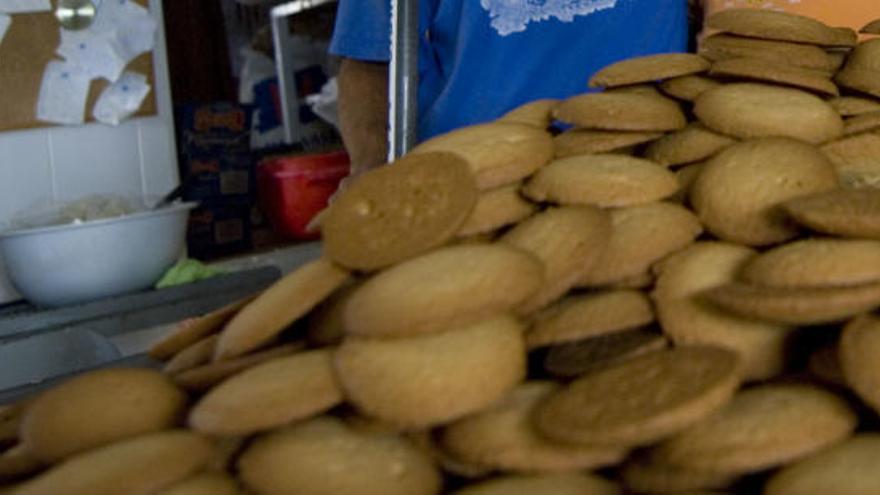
(294, 189)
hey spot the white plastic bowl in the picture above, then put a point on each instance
(75, 263)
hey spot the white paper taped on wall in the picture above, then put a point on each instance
(5, 20)
(121, 99)
(96, 54)
(63, 94)
(24, 6)
(131, 24)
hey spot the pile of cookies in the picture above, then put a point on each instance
(671, 295)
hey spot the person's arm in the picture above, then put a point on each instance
(363, 112)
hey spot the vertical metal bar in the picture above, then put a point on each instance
(286, 81)
(403, 77)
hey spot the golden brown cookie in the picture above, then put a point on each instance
(587, 142)
(738, 193)
(796, 306)
(204, 484)
(689, 321)
(197, 354)
(642, 474)
(692, 144)
(99, 408)
(604, 180)
(136, 466)
(751, 110)
(192, 330)
(872, 27)
(782, 26)
(760, 428)
(816, 262)
(538, 113)
(641, 236)
(648, 68)
(641, 400)
(589, 315)
(503, 437)
(848, 468)
(204, 377)
(408, 300)
(323, 456)
(850, 106)
(547, 484)
(862, 66)
(286, 301)
(757, 69)
(688, 88)
(571, 360)
(856, 160)
(858, 350)
(841, 212)
(427, 440)
(861, 123)
(441, 384)
(269, 395)
(496, 209)
(498, 153)
(569, 241)
(621, 112)
(724, 46)
(393, 213)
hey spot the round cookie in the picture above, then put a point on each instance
(849, 468)
(621, 112)
(192, 330)
(497, 154)
(738, 192)
(496, 209)
(643, 474)
(589, 142)
(272, 394)
(641, 400)
(692, 144)
(648, 68)
(502, 437)
(860, 71)
(872, 27)
(782, 26)
(323, 456)
(204, 377)
(724, 47)
(855, 160)
(761, 70)
(196, 354)
(688, 88)
(687, 320)
(761, 428)
(861, 123)
(795, 306)
(569, 241)
(858, 350)
(548, 484)
(604, 180)
(137, 466)
(571, 360)
(204, 484)
(850, 106)
(281, 304)
(393, 213)
(831, 262)
(538, 113)
(751, 110)
(99, 408)
(590, 315)
(441, 384)
(843, 212)
(408, 300)
(641, 236)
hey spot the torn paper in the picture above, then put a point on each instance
(24, 6)
(5, 20)
(121, 99)
(95, 54)
(63, 94)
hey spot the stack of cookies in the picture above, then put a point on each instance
(674, 294)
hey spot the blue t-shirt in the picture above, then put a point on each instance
(480, 58)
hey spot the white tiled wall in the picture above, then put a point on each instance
(60, 163)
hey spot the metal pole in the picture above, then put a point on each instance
(403, 77)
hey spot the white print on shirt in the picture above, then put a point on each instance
(512, 16)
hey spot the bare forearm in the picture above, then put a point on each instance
(363, 112)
